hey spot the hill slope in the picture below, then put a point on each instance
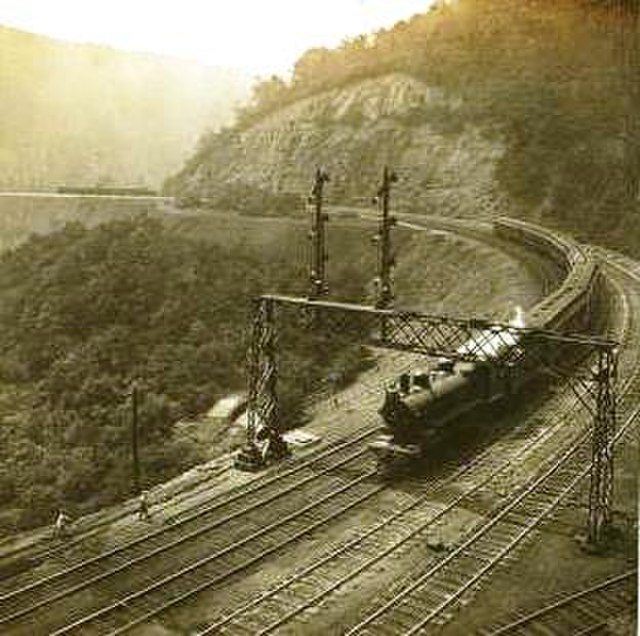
(84, 312)
(354, 131)
(83, 114)
(528, 108)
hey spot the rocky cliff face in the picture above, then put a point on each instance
(443, 164)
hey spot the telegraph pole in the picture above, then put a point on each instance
(383, 239)
(134, 438)
(318, 270)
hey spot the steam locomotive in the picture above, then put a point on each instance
(423, 403)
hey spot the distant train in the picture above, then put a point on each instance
(422, 403)
(131, 191)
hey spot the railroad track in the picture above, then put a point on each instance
(588, 610)
(430, 599)
(319, 579)
(333, 499)
(308, 587)
(579, 613)
(326, 472)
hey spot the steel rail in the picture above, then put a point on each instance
(563, 603)
(201, 587)
(88, 582)
(408, 590)
(123, 602)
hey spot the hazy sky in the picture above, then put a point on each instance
(261, 36)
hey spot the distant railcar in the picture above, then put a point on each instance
(135, 191)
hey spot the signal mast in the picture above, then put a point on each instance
(318, 268)
(386, 260)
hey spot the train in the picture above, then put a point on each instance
(132, 191)
(491, 367)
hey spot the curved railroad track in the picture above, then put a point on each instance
(430, 598)
(590, 608)
(243, 528)
(276, 608)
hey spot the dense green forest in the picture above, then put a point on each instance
(553, 82)
(85, 312)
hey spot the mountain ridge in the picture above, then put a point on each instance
(75, 113)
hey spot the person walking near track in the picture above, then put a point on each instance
(143, 506)
(61, 525)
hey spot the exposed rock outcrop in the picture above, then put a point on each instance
(443, 163)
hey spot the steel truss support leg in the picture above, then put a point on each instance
(601, 487)
(264, 442)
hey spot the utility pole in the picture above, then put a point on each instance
(383, 239)
(318, 269)
(134, 438)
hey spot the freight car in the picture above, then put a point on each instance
(421, 404)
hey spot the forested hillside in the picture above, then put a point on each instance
(528, 108)
(81, 114)
(85, 312)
